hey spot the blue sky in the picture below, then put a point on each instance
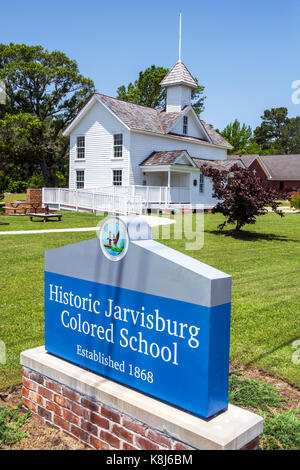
(246, 54)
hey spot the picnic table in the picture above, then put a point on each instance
(18, 207)
(45, 216)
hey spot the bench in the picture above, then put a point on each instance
(45, 217)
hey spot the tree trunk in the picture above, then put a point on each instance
(48, 175)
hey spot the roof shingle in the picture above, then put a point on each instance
(162, 158)
(246, 159)
(216, 138)
(179, 75)
(142, 118)
(282, 167)
(218, 164)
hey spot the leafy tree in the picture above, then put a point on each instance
(242, 195)
(252, 148)
(146, 90)
(278, 133)
(239, 136)
(44, 93)
(292, 135)
(198, 98)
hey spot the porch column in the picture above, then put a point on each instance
(169, 185)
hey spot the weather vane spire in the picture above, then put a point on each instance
(179, 55)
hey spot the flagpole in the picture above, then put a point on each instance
(179, 58)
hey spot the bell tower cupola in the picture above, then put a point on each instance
(179, 84)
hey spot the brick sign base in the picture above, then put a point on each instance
(87, 420)
(135, 422)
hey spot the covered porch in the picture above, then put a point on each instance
(167, 187)
(171, 172)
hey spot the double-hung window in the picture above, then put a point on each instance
(118, 145)
(201, 183)
(80, 179)
(80, 147)
(117, 177)
(185, 125)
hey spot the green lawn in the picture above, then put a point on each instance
(264, 264)
(69, 220)
(10, 197)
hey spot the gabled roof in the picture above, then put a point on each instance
(159, 121)
(281, 167)
(216, 138)
(168, 157)
(168, 120)
(142, 118)
(133, 115)
(245, 159)
(218, 164)
(179, 75)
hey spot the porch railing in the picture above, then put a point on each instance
(150, 194)
(92, 200)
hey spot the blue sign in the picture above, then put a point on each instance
(115, 319)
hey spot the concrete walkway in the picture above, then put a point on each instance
(38, 232)
(286, 210)
(152, 221)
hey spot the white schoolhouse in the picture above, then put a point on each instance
(153, 153)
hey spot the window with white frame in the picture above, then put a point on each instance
(201, 183)
(81, 147)
(117, 177)
(185, 125)
(80, 179)
(118, 145)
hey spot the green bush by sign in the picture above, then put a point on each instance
(295, 202)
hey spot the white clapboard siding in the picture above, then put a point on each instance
(194, 130)
(141, 146)
(206, 196)
(98, 127)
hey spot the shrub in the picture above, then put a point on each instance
(61, 180)
(11, 420)
(16, 186)
(251, 393)
(36, 181)
(295, 201)
(281, 432)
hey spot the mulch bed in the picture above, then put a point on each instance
(290, 392)
(40, 436)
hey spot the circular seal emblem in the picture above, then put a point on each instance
(113, 237)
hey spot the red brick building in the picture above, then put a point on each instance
(280, 171)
